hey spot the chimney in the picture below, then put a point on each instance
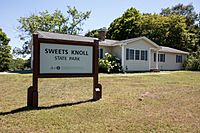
(102, 34)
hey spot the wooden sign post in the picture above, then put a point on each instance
(57, 58)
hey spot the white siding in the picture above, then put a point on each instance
(143, 65)
(117, 51)
(170, 62)
(138, 65)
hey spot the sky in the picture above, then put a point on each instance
(103, 11)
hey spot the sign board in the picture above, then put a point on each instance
(58, 58)
(64, 58)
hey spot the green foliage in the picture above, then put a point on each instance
(93, 33)
(184, 10)
(125, 27)
(193, 62)
(19, 64)
(51, 22)
(166, 30)
(5, 51)
(110, 64)
(192, 38)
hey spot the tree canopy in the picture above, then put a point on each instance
(51, 22)
(184, 10)
(165, 29)
(92, 33)
(5, 51)
(125, 27)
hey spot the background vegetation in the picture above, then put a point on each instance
(5, 51)
(19, 64)
(57, 22)
(193, 62)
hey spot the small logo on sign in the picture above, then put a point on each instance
(58, 67)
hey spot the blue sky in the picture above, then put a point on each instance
(103, 11)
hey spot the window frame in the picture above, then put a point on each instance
(129, 55)
(143, 55)
(179, 59)
(160, 59)
(137, 54)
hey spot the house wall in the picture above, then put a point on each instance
(142, 65)
(138, 65)
(117, 51)
(105, 50)
(170, 62)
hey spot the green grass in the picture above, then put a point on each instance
(171, 103)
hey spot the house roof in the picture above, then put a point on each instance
(50, 35)
(106, 42)
(171, 50)
(127, 41)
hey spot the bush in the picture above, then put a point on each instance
(19, 64)
(193, 62)
(110, 64)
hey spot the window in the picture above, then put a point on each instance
(137, 54)
(161, 57)
(132, 54)
(129, 54)
(178, 59)
(100, 53)
(143, 55)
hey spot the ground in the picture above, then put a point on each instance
(131, 103)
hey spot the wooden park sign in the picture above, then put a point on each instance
(58, 58)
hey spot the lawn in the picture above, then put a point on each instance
(131, 103)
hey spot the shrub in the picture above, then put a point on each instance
(19, 64)
(110, 64)
(193, 62)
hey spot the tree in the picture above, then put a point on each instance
(125, 27)
(51, 22)
(5, 51)
(93, 33)
(183, 10)
(165, 30)
(19, 64)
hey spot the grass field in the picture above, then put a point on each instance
(132, 103)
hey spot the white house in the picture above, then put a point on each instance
(136, 54)
(142, 54)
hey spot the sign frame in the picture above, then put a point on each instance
(32, 96)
